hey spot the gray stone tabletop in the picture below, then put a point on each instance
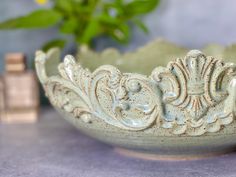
(54, 148)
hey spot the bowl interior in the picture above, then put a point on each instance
(142, 61)
(148, 57)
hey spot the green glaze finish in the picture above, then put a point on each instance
(187, 107)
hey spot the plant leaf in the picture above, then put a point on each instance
(109, 20)
(38, 19)
(121, 34)
(69, 26)
(60, 43)
(138, 7)
(64, 5)
(141, 25)
(92, 29)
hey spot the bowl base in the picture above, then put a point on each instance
(159, 157)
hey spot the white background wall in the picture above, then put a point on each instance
(190, 23)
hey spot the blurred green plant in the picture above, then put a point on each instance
(86, 19)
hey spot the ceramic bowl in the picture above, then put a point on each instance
(159, 100)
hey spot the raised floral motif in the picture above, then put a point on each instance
(190, 87)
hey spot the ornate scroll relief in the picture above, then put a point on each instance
(198, 94)
(123, 100)
(191, 96)
(68, 90)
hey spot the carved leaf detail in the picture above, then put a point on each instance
(190, 81)
(193, 85)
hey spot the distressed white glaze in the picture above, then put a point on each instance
(191, 96)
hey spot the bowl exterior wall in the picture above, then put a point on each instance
(186, 108)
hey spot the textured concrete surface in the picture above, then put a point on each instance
(53, 148)
(191, 23)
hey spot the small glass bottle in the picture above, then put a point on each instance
(21, 95)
